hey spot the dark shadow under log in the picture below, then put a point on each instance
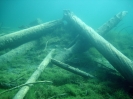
(123, 64)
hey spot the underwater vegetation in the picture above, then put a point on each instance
(106, 84)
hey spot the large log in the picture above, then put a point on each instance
(123, 64)
(22, 36)
(22, 92)
(77, 47)
(20, 50)
(80, 45)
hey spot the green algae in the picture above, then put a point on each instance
(107, 84)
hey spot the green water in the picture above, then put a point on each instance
(107, 83)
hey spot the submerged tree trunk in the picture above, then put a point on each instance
(20, 50)
(123, 64)
(22, 92)
(111, 23)
(71, 69)
(22, 36)
(80, 45)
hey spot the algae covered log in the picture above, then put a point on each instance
(22, 92)
(123, 64)
(111, 23)
(20, 50)
(81, 45)
(22, 36)
(71, 69)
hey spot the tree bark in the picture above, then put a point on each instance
(80, 45)
(20, 50)
(111, 23)
(123, 64)
(22, 36)
(22, 92)
(71, 69)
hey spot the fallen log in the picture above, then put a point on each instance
(25, 35)
(122, 64)
(25, 85)
(7, 57)
(22, 92)
(111, 23)
(80, 45)
(75, 47)
(71, 69)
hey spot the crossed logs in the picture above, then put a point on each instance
(90, 37)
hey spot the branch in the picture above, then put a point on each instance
(28, 84)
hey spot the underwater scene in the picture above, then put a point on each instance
(66, 49)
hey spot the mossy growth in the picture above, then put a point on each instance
(106, 84)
